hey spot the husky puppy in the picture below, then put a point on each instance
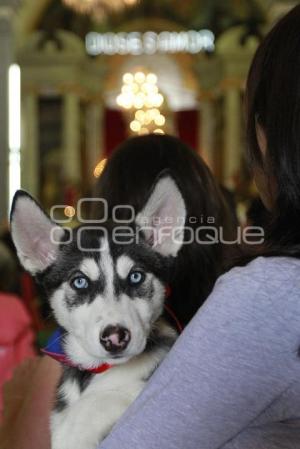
(107, 293)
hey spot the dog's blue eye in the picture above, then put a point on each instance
(136, 277)
(80, 283)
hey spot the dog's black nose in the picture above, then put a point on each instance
(115, 338)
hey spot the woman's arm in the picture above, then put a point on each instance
(234, 359)
(28, 399)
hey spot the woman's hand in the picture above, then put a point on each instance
(28, 399)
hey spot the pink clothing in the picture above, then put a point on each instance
(16, 336)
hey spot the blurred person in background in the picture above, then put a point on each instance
(16, 334)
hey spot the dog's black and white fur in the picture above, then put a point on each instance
(109, 304)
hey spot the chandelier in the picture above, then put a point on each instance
(98, 8)
(141, 97)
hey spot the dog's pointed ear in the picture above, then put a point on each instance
(162, 219)
(35, 236)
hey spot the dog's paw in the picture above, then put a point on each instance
(68, 433)
(62, 440)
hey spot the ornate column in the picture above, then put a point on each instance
(62, 70)
(236, 55)
(209, 70)
(71, 138)
(207, 131)
(94, 132)
(6, 58)
(232, 134)
(30, 147)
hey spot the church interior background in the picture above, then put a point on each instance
(93, 72)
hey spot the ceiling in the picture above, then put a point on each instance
(217, 15)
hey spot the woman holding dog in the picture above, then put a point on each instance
(232, 379)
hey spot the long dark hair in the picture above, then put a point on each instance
(273, 102)
(127, 179)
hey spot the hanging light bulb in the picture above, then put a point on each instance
(135, 126)
(151, 78)
(140, 77)
(128, 78)
(140, 115)
(160, 120)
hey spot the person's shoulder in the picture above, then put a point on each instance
(10, 299)
(263, 265)
(267, 273)
(12, 309)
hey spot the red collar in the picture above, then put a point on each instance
(175, 319)
(62, 358)
(100, 369)
(168, 292)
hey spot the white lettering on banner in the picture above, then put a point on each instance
(149, 43)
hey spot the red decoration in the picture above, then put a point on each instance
(187, 125)
(115, 130)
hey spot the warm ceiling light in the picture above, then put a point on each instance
(128, 78)
(139, 91)
(99, 168)
(140, 115)
(140, 77)
(140, 94)
(151, 78)
(143, 131)
(160, 120)
(135, 126)
(69, 211)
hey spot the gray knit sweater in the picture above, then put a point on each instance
(232, 380)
